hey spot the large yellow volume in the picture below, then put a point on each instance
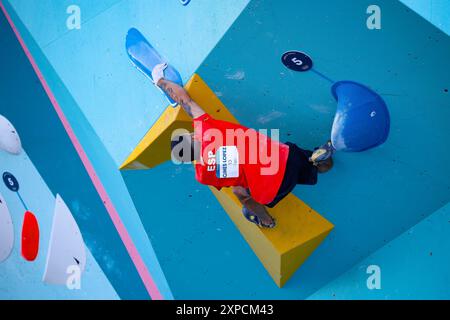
(282, 250)
(154, 148)
(300, 229)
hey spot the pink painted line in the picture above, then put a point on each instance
(124, 235)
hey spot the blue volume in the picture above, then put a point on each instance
(362, 119)
(145, 58)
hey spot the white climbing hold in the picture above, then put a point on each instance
(9, 138)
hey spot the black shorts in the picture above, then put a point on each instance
(299, 170)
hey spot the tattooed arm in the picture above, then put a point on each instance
(180, 95)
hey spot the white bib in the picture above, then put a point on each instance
(227, 159)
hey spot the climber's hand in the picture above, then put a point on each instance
(158, 73)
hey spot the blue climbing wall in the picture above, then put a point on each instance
(413, 266)
(435, 11)
(50, 41)
(188, 243)
(368, 195)
(49, 165)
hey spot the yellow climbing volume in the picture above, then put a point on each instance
(300, 229)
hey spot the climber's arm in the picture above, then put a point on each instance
(179, 95)
(176, 92)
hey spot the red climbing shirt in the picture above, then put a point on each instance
(262, 161)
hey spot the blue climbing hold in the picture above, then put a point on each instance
(145, 58)
(362, 119)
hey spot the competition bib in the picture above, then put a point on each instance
(227, 160)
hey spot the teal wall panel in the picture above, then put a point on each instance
(413, 266)
(47, 166)
(435, 11)
(371, 197)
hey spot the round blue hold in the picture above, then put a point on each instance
(362, 119)
(185, 2)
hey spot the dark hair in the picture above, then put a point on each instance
(182, 142)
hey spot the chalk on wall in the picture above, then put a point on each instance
(66, 249)
(9, 138)
(6, 231)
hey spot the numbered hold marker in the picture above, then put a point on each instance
(297, 61)
(10, 182)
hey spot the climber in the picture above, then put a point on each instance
(261, 171)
